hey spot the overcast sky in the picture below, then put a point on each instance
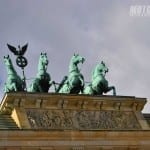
(96, 29)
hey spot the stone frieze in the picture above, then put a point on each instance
(81, 119)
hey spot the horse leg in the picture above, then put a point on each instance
(65, 88)
(88, 90)
(30, 88)
(33, 87)
(82, 81)
(114, 90)
(82, 84)
(15, 87)
(111, 88)
(6, 89)
(64, 80)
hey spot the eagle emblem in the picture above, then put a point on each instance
(21, 50)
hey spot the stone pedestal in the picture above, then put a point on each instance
(74, 122)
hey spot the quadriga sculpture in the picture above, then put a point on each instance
(74, 82)
(42, 82)
(99, 84)
(14, 82)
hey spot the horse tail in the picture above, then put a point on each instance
(61, 84)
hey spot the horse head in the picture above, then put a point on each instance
(43, 61)
(7, 60)
(103, 68)
(76, 59)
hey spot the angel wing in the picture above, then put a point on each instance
(23, 49)
(12, 49)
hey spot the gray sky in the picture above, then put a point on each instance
(96, 29)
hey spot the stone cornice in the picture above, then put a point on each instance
(68, 101)
(74, 112)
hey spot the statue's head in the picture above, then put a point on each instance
(7, 60)
(76, 58)
(103, 67)
(43, 58)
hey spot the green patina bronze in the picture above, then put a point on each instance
(74, 82)
(14, 82)
(20, 60)
(99, 84)
(42, 82)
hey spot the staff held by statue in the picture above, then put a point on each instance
(21, 61)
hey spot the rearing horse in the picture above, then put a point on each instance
(42, 82)
(74, 82)
(99, 84)
(14, 82)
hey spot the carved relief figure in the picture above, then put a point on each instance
(81, 119)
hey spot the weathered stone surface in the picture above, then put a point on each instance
(74, 102)
(74, 112)
(74, 122)
(67, 140)
(147, 117)
(81, 120)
